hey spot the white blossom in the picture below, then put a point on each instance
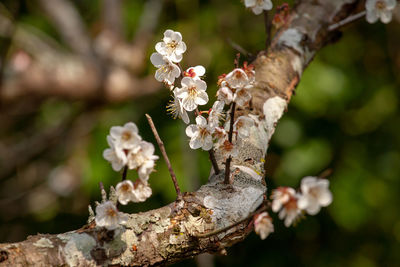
(115, 155)
(226, 148)
(242, 96)
(141, 191)
(216, 114)
(225, 94)
(192, 93)
(315, 194)
(176, 109)
(172, 46)
(126, 137)
(200, 134)
(242, 126)
(167, 71)
(281, 196)
(263, 225)
(290, 211)
(143, 160)
(125, 192)
(258, 5)
(237, 78)
(195, 72)
(380, 9)
(108, 216)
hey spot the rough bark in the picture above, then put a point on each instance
(179, 230)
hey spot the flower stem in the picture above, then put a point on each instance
(164, 153)
(213, 161)
(267, 24)
(124, 172)
(230, 135)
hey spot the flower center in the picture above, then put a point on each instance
(125, 187)
(380, 5)
(192, 91)
(172, 45)
(111, 212)
(203, 132)
(126, 136)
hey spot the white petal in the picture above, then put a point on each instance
(195, 143)
(157, 59)
(201, 121)
(201, 85)
(189, 103)
(186, 82)
(386, 16)
(191, 130)
(372, 16)
(325, 198)
(202, 98)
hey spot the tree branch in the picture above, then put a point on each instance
(169, 234)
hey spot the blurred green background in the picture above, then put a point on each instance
(344, 118)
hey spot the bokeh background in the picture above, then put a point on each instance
(343, 121)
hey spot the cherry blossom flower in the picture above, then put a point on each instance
(225, 94)
(143, 160)
(242, 125)
(226, 148)
(216, 114)
(126, 137)
(115, 155)
(125, 192)
(258, 5)
(281, 196)
(200, 134)
(290, 211)
(108, 216)
(195, 72)
(380, 9)
(172, 46)
(315, 194)
(242, 96)
(192, 93)
(237, 78)
(167, 71)
(176, 109)
(263, 225)
(141, 191)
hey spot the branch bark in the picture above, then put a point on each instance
(179, 230)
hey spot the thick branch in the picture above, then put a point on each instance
(176, 231)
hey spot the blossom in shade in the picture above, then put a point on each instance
(380, 9)
(263, 225)
(290, 211)
(167, 71)
(192, 93)
(226, 148)
(242, 126)
(257, 6)
(225, 94)
(237, 78)
(195, 72)
(200, 134)
(115, 155)
(176, 109)
(143, 160)
(141, 191)
(216, 114)
(281, 196)
(108, 216)
(125, 192)
(172, 46)
(126, 137)
(315, 194)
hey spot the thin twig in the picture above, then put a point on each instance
(164, 153)
(346, 21)
(125, 171)
(263, 208)
(238, 48)
(230, 135)
(213, 161)
(267, 24)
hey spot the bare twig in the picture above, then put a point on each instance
(230, 134)
(124, 172)
(238, 48)
(346, 21)
(69, 24)
(164, 153)
(268, 24)
(213, 161)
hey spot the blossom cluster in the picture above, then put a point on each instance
(127, 150)
(291, 204)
